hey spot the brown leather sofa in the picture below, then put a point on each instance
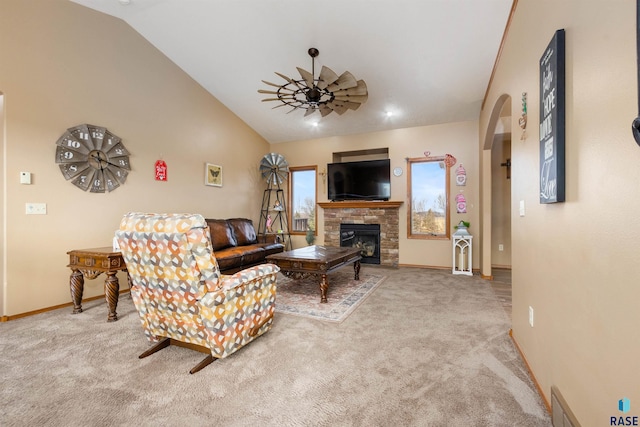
(235, 244)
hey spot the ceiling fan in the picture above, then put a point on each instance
(329, 92)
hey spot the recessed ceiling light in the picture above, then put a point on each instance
(389, 113)
(124, 2)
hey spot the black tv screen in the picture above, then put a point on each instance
(365, 180)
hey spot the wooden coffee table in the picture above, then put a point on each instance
(316, 261)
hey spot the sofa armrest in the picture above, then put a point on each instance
(271, 238)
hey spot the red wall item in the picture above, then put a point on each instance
(161, 170)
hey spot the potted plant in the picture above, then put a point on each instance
(311, 236)
(463, 224)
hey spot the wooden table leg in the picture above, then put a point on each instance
(76, 285)
(356, 269)
(111, 290)
(324, 285)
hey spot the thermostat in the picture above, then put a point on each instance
(25, 177)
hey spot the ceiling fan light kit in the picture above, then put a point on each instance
(327, 93)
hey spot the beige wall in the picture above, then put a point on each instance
(576, 262)
(458, 139)
(2, 203)
(67, 65)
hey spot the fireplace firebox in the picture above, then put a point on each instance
(363, 236)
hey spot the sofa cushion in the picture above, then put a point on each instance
(272, 248)
(229, 258)
(243, 231)
(253, 254)
(221, 234)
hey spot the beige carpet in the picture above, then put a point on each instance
(426, 348)
(345, 294)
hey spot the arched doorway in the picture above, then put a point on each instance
(496, 212)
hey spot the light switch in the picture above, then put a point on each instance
(521, 207)
(25, 178)
(36, 208)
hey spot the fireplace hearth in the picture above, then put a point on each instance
(363, 236)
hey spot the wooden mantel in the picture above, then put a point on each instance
(349, 204)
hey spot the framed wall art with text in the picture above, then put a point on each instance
(552, 121)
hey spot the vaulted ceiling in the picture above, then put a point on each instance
(424, 62)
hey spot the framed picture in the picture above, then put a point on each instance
(552, 121)
(213, 175)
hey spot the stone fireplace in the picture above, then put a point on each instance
(385, 214)
(363, 236)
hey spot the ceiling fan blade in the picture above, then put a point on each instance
(272, 92)
(356, 98)
(327, 76)
(360, 89)
(292, 110)
(324, 110)
(309, 111)
(346, 80)
(286, 78)
(337, 107)
(347, 104)
(306, 76)
(277, 99)
(270, 84)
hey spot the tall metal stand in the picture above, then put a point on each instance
(274, 225)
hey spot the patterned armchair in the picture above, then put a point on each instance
(181, 296)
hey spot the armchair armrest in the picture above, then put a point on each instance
(241, 309)
(228, 282)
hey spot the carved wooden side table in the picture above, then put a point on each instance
(91, 263)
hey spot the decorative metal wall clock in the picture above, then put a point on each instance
(92, 158)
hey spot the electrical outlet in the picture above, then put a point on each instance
(531, 316)
(36, 208)
(501, 247)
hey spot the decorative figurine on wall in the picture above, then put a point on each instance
(523, 118)
(277, 206)
(461, 203)
(449, 160)
(461, 176)
(161, 170)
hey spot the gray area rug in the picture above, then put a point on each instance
(426, 348)
(302, 297)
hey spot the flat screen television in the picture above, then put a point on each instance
(364, 180)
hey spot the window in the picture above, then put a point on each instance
(428, 184)
(302, 195)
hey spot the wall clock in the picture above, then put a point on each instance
(92, 158)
